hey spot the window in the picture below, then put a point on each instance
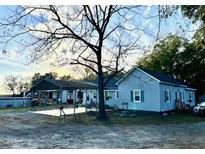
(181, 95)
(109, 94)
(137, 96)
(176, 95)
(87, 97)
(190, 96)
(116, 94)
(94, 95)
(167, 96)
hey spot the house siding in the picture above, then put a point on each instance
(193, 103)
(138, 80)
(168, 106)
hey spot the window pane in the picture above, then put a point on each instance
(116, 94)
(190, 95)
(167, 96)
(137, 96)
(112, 94)
(136, 93)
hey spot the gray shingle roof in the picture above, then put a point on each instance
(163, 77)
(72, 84)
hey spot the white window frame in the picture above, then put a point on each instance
(116, 91)
(138, 101)
(169, 96)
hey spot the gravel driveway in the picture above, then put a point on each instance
(29, 130)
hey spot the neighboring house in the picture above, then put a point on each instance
(70, 91)
(146, 90)
(61, 90)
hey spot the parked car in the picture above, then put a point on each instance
(199, 109)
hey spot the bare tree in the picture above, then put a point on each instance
(16, 84)
(87, 74)
(10, 83)
(97, 37)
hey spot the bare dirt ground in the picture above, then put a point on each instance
(29, 130)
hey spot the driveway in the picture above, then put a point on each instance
(29, 130)
(56, 112)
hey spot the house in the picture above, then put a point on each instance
(110, 91)
(63, 91)
(146, 90)
(139, 89)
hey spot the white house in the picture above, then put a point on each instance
(145, 90)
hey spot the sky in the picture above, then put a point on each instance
(14, 63)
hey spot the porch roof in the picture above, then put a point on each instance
(50, 84)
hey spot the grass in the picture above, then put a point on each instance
(113, 119)
(138, 119)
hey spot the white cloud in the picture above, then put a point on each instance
(147, 10)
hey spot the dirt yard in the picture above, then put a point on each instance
(29, 130)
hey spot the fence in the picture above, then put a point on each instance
(14, 102)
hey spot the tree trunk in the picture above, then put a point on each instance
(102, 113)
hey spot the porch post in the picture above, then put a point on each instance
(61, 96)
(86, 100)
(96, 99)
(74, 101)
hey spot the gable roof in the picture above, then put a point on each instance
(161, 78)
(72, 84)
(164, 77)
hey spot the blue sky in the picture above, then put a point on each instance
(13, 63)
